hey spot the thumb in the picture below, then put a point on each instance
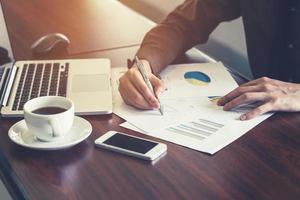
(158, 85)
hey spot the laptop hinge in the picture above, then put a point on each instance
(8, 85)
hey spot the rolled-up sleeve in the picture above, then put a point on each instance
(189, 24)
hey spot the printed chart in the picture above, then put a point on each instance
(191, 117)
(199, 129)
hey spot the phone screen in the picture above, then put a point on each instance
(130, 143)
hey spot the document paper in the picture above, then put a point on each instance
(191, 115)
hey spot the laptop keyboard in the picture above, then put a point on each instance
(1, 72)
(41, 80)
(2, 76)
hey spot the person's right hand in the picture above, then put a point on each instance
(134, 90)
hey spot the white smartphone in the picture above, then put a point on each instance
(131, 145)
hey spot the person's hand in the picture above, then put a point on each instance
(134, 90)
(272, 95)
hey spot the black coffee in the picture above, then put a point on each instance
(49, 110)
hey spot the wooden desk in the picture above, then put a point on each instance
(263, 164)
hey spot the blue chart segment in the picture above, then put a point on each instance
(197, 78)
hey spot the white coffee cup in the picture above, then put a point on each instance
(56, 119)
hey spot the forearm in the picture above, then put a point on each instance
(189, 24)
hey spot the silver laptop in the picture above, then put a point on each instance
(85, 81)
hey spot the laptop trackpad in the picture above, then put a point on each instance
(90, 83)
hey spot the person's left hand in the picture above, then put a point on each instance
(273, 95)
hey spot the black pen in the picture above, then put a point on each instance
(147, 81)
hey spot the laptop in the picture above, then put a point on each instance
(85, 81)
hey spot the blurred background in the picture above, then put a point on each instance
(227, 42)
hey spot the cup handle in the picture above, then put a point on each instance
(55, 130)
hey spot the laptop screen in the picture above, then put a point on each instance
(6, 54)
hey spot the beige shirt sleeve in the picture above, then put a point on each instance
(189, 24)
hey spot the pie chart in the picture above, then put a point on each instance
(197, 78)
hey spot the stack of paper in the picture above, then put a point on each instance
(191, 116)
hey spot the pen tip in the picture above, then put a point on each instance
(161, 111)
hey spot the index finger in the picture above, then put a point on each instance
(235, 93)
(143, 89)
(267, 107)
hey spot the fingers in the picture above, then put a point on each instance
(257, 111)
(245, 99)
(237, 92)
(139, 83)
(131, 95)
(260, 85)
(135, 91)
(158, 85)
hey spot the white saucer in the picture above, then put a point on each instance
(20, 135)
